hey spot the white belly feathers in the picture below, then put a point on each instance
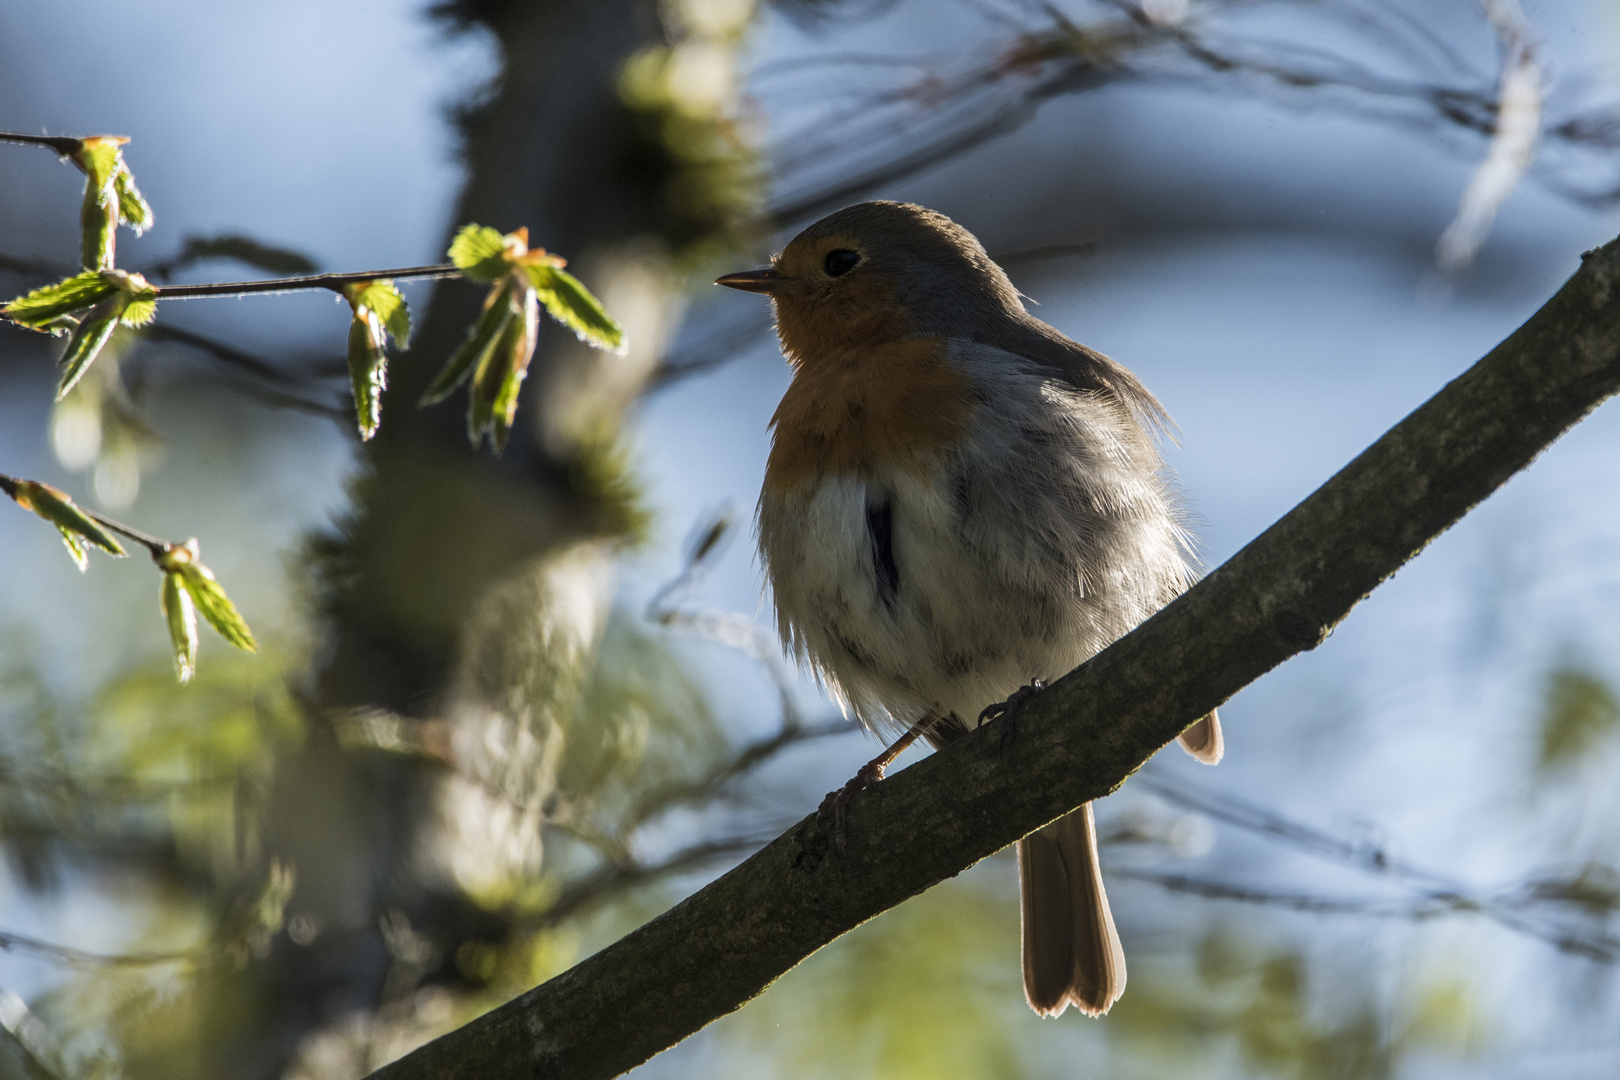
(1023, 551)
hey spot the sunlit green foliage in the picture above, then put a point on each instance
(497, 350)
(43, 308)
(54, 505)
(380, 312)
(107, 299)
(110, 198)
(189, 587)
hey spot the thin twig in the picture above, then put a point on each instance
(1439, 893)
(157, 547)
(685, 792)
(334, 282)
(63, 145)
(614, 878)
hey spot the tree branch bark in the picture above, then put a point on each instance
(1079, 740)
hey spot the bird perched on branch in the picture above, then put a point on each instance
(960, 502)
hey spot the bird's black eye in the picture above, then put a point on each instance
(841, 262)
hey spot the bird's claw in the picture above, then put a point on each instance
(1008, 710)
(835, 802)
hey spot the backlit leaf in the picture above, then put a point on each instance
(100, 158)
(133, 209)
(573, 305)
(498, 309)
(368, 370)
(132, 303)
(38, 309)
(499, 378)
(140, 298)
(181, 616)
(55, 506)
(383, 298)
(75, 548)
(87, 342)
(480, 252)
(216, 607)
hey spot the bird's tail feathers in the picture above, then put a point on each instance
(1204, 740)
(1072, 953)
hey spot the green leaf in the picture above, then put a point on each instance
(368, 370)
(98, 156)
(499, 378)
(87, 342)
(383, 298)
(276, 260)
(75, 548)
(133, 209)
(61, 326)
(110, 196)
(132, 303)
(138, 310)
(98, 237)
(480, 253)
(498, 309)
(56, 507)
(572, 304)
(139, 298)
(39, 309)
(181, 615)
(216, 607)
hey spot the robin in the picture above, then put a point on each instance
(959, 503)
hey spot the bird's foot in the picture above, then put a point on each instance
(835, 802)
(1008, 710)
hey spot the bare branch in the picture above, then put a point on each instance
(61, 145)
(334, 282)
(616, 878)
(667, 797)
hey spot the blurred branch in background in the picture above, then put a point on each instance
(1540, 907)
(923, 110)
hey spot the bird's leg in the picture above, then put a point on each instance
(866, 776)
(1008, 710)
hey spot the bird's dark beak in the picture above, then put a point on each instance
(760, 281)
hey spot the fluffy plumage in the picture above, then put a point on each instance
(959, 500)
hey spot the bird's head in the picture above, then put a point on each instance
(878, 272)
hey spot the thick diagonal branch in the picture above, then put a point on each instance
(1081, 738)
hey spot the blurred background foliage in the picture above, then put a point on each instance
(506, 710)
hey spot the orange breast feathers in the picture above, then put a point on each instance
(898, 405)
